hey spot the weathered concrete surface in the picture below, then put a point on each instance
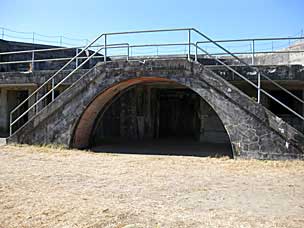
(254, 131)
(37, 77)
(291, 74)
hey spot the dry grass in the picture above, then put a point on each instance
(56, 187)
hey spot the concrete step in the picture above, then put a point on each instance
(3, 141)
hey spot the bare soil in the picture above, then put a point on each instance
(49, 187)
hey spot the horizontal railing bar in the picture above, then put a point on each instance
(148, 31)
(39, 50)
(52, 49)
(258, 52)
(159, 45)
(253, 39)
(138, 46)
(111, 46)
(45, 60)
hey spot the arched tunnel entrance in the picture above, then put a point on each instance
(157, 117)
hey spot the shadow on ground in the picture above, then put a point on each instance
(166, 147)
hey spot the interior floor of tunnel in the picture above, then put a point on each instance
(160, 118)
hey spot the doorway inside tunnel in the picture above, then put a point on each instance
(177, 114)
(159, 118)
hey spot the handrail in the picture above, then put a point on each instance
(106, 46)
(218, 54)
(50, 91)
(254, 42)
(254, 85)
(88, 58)
(256, 39)
(49, 49)
(259, 52)
(46, 82)
(251, 67)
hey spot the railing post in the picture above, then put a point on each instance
(11, 127)
(289, 53)
(189, 44)
(128, 52)
(33, 38)
(33, 61)
(76, 60)
(253, 53)
(196, 52)
(53, 92)
(36, 106)
(259, 87)
(105, 49)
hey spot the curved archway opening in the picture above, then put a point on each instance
(152, 116)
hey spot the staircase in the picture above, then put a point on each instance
(43, 99)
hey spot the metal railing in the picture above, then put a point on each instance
(244, 54)
(252, 44)
(34, 37)
(259, 74)
(34, 53)
(50, 86)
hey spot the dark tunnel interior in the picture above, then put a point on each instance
(160, 118)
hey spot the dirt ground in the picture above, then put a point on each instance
(47, 187)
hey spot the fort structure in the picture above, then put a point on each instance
(236, 103)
